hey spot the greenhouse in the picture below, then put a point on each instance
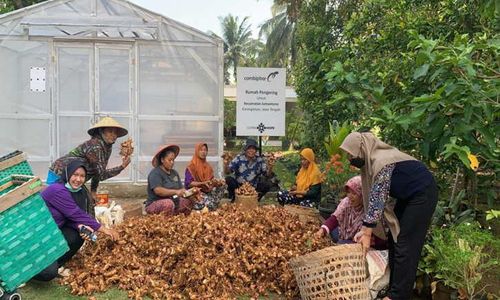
(66, 63)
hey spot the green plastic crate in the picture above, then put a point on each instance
(14, 163)
(29, 238)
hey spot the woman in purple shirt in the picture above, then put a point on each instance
(68, 202)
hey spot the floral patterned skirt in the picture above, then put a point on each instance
(211, 199)
(284, 198)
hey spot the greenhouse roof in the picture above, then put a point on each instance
(97, 19)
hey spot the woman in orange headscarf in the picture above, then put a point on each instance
(199, 173)
(307, 190)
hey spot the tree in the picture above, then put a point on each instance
(424, 72)
(280, 31)
(237, 41)
(255, 54)
(10, 5)
(229, 117)
(319, 31)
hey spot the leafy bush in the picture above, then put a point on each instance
(425, 72)
(459, 256)
(336, 173)
(335, 137)
(286, 168)
(453, 212)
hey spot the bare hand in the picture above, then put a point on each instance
(207, 186)
(125, 161)
(181, 192)
(364, 238)
(319, 234)
(111, 232)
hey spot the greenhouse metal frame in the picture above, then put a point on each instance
(66, 63)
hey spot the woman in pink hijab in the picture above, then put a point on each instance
(347, 219)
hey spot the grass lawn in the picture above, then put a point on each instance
(35, 290)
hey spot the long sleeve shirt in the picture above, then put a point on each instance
(400, 181)
(347, 217)
(95, 153)
(64, 209)
(188, 178)
(313, 193)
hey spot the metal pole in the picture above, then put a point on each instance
(260, 145)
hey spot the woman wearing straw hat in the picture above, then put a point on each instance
(165, 189)
(95, 153)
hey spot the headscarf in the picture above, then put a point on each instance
(350, 218)
(200, 168)
(355, 185)
(377, 155)
(72, 166)
(81, 195)
(309, 176)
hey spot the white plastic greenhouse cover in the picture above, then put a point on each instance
(66, 63)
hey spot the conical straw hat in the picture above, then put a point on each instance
(156, 158)
(108, 122)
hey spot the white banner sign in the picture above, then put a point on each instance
(260, 108)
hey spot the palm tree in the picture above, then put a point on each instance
(255, 54)
(279, 31)
(237, 42)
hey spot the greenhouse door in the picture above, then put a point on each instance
(92, 80)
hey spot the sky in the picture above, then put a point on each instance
(203, 15)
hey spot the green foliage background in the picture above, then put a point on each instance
(427, 73)
(457, 256)
(10, 5)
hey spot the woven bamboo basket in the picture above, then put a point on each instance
(247, 202)
(305, 214)
(333, 273)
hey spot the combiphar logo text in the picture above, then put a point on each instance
(262, 78)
